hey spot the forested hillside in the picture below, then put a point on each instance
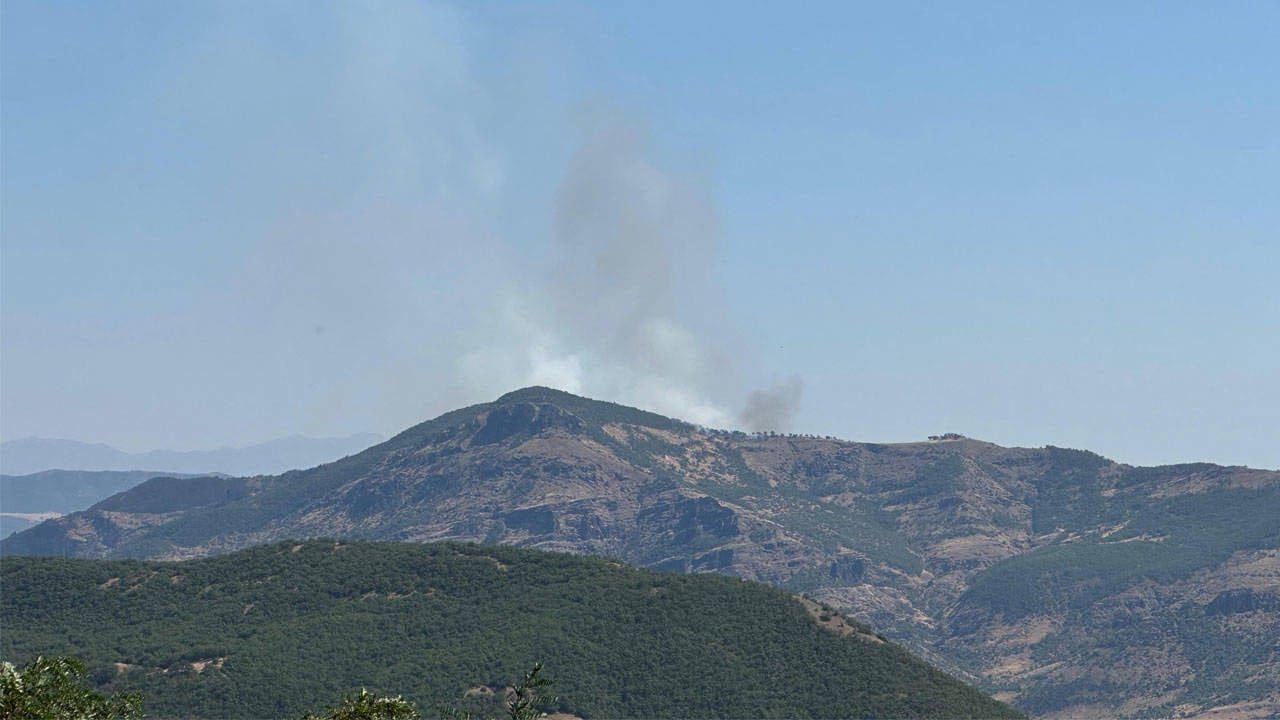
(281, 629)
(1062, 580)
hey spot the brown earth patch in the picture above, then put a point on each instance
(1247, 710)
(199, 666)
(833, 621)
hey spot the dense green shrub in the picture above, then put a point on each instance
(52, 688)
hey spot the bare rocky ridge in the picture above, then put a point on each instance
(1066, 583)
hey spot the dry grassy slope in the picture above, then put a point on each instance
(1067, 582)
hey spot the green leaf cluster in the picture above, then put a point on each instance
(52, 688)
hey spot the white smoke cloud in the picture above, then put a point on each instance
(620, 314)
(633, 244)
(427, 304)
(386, 246)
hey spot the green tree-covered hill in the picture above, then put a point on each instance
(281, 629)
(1064, 582)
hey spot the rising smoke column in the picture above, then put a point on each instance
(773, 408)
(628, 309)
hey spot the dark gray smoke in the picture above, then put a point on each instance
(772, 409)
(636, 242)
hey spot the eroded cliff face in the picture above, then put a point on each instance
(1066, 582)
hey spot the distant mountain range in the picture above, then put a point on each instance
(278, 630)
(31, 455)
(25, 500)
(1064, 582)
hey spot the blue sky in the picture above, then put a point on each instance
(1032, 224)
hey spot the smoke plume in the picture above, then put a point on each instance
(376, 226)
(772, 409)
(627, 309)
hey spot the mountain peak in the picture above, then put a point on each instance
(597, 412)
(540, 393)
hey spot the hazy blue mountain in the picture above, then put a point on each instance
(27, 500)
(10, 524)
(64, 491)
(31, 455)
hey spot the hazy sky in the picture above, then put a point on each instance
(1028, 223)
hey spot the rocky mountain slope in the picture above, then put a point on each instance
(277, 630)
(1065, 582)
